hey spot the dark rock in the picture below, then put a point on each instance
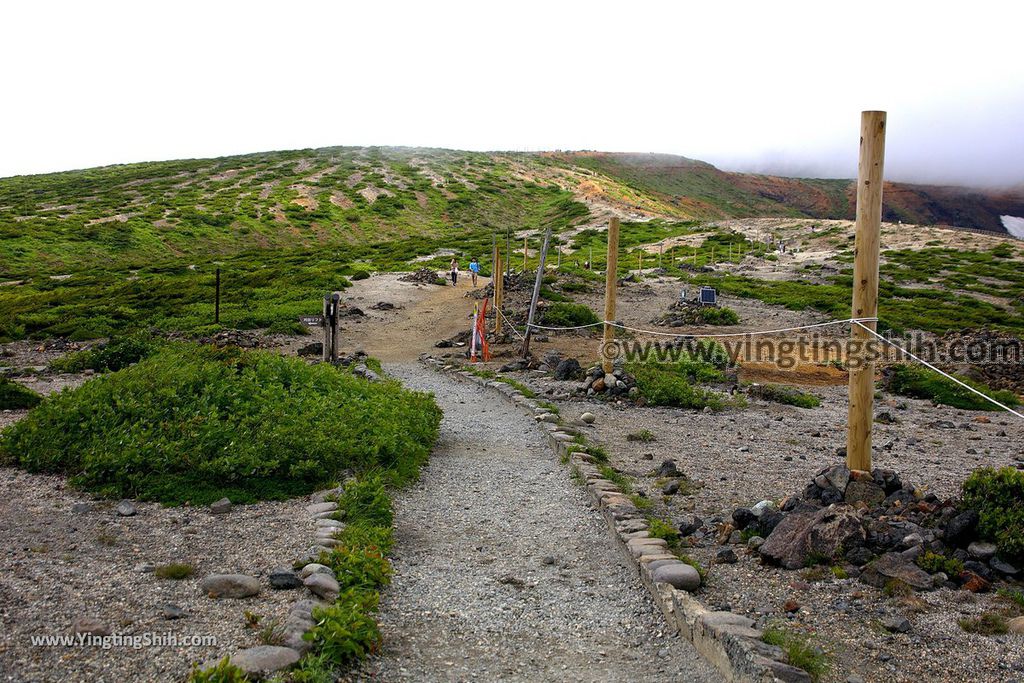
(896, 624)
(668, 469)
(823, 533)
(886, 418)
(671, 488)
(889, 480)
(1003, 567)
(838, 476)
(983, 551)
(568, 369)
(743, 517)
(864, 491)
(767, 522)
(893, 566)
(961, 528)
(312, 349)
(81, 508)
(689, 524)
(974, 582)
(284, 579)
(726, 556)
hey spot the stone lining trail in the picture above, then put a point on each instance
(503, 571)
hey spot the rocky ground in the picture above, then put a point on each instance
(503, 571)
(741, 456)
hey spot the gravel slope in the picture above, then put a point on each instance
(504, 572)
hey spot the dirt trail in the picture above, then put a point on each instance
(503, 571)
(423, 315)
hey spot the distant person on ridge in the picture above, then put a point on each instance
(474, 269)
(454, 267)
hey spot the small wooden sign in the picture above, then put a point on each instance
(312, 320)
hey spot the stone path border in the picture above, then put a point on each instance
(730, 641)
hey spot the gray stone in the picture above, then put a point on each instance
(982, 550)
(91, 626)
(314, 568)
(320, 508)
(821, 533)
(892, 566)
(126, 509)
(568, 369)
(323, 586)
(838, 476)
(896, 624)
(265, 659)
(679, 575)
(868, 492)
(689, 523)
(329, 523)
(230, 586)
(81, 508)
(670, 488)
(725, 556)
(1003, 567)
(1016, 625)
(762, 507)
(755, 542)
(169, 611)
(220, 507)
(283, 578)
(588, 418)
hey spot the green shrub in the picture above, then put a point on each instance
(800, 652)
(998, 497)
(366, 501)
(355, 567)
(197, 424)
(359, 275)
(778, 393)
(933, 563)
(117, 354)
(622, 481)
(919, 382)
(14, 396)
(988, 624)
(563, 314)
(672, 384)
(346, 631)
(718, 315)
(223, 672)
(643, 436)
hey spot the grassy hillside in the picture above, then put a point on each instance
(87, 253)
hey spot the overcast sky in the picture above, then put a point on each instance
(771, 86)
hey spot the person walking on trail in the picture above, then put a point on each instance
(454, 267)
(474, 269)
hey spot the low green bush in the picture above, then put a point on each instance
(998, 497)
(674, 384)
(778, 393)
(346, 632)
(195, 424)
(564, 314)
(366, 501)
(14, 396)
(223, 672)
(987, 624)
(933, 563)
(800, 651)
(718, 315)
(117, 354)
(919, 382)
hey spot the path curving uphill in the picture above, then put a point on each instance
(503, 571)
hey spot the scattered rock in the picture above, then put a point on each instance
(743, 517)
(867, 492)
(982, 551)
(689, 524)
(126, 509)
(312, 349)
(821, 533)
(1003, 567)
(961, 528)
(588, 418)
(230, 586)
(265, 659)
(726, 556)
(755, 542)
(81, 508)
(671, 488)
(568, 369)
(791, 606)
(893, 566)
(896, 624)
(973, 582)
(314, 568)
(283, 578)
(221, 506)
(91, 626)
(169, 611)
(1016, 625)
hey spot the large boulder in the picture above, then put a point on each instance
(895, 567)
(960, 530)
(568, 369)
(820, 534)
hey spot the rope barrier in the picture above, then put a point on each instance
(693, 335)
(510, 325)
(944, 374)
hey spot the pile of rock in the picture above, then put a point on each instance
(681, 314)
(423, 276)
(615, 383)
(878, 527)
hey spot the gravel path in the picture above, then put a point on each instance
(502, 569)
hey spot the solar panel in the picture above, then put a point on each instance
(708, 296)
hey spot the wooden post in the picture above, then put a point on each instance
(610, 280)
(335, 303)
(216, 300)
(499, 292)
(865, 286)
(326, 323)
(536, 292)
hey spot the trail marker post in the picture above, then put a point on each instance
(865, 287)
(498, 283)
(524, 253)
(216, 300)
(610, 278)
(536, 292)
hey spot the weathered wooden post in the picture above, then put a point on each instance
(865, 287)
(536, 292)
(498, 283)
(216, 300)
(610, 279)
(325, 323)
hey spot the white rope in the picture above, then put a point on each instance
(944, 374)
(510, 325)
(696, 335)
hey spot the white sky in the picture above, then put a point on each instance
(751, 86)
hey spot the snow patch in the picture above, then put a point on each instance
(1014, 225)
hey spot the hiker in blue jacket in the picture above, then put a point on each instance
(474, 269)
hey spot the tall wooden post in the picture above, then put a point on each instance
(335, 304)
(536, 292)
(216, 301)
(865, 287)
(498, 282)
(610, 280)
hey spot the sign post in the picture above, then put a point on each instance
(610, 279)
